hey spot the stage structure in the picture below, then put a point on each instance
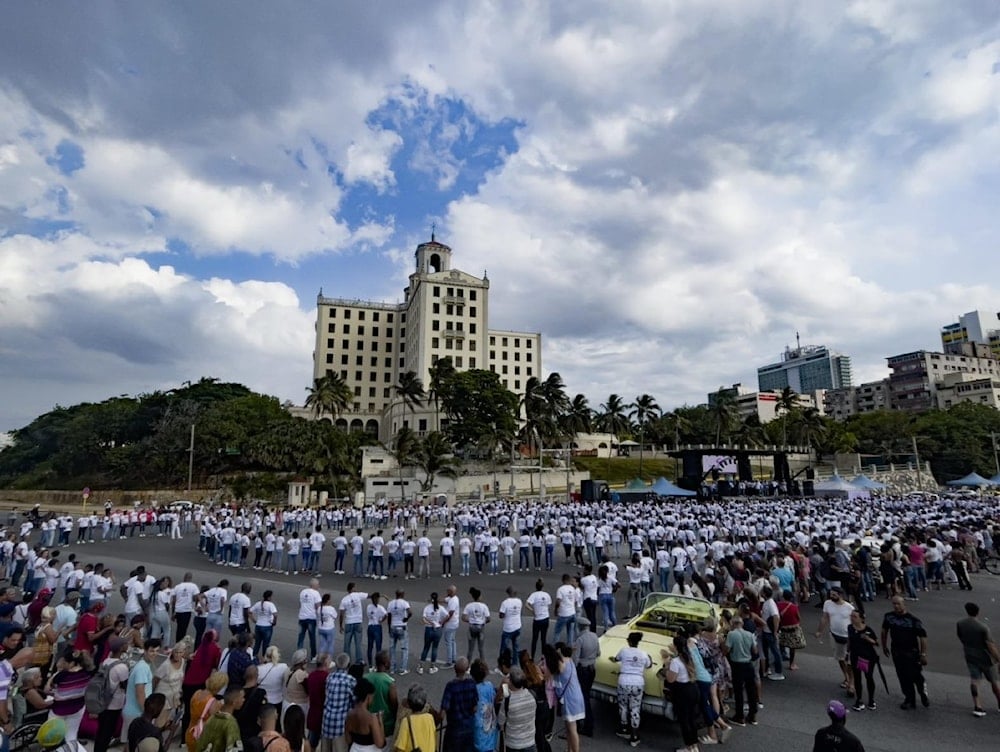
(729, 465)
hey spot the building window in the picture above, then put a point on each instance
(402, 319)
(504, 342)
(503, 355)
(345, 344)
(329, 357)
(375, 316)
(385, 392)
(472, 328)
(347, 313)
(374, 362)
(343, 375)
(329, 343)
(448, 344)
(388, 362)
(372, 375)
(422, 424)
(503, 370)
(361, 315)
(331, 328)
(357, 407)
(347, 328)
(449, 309)
(436, 291)
(493, 341)
(517, 356)
(402, 333)
(333, 313)
(371, 391)
(472, 311)
(451, 291)
(357, 391)
(359, 360)
(527, 357)
(436, 308)
(493, 368)
(472, 294)
(388, 346)
(435, 342)
(374, 331)
(458, 361)
(361, 344)
(387, 377)
(472, 362)
(527, 344)
(461, 292)
(517, 370)
(517, 384)
(389, 317)
(435, 326)
(472, 345)
(528, 371)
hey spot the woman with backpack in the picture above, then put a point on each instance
(204, 661)
(68, 687)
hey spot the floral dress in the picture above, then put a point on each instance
(716, 664)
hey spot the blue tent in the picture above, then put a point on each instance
(972, 480)
(664, 487)
(995, 479)
(636, 484)
(863, 481)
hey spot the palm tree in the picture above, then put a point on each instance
(788, 400)
(679, 423)
(578, 417)
(642, 410)
(723, 409)
(543, 403)
(329, 394)
(612, 417)
(440, 372)
(750, 431)
(435, 458)
(810, 427)
(406, 448)
(411, 391)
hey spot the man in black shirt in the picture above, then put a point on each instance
(144, 727)
(836, 737)
(909, 651)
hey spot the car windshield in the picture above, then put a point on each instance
(671, 613)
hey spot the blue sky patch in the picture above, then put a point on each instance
(68, 157)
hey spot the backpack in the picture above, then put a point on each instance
(100, 690)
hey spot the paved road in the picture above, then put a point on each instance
(793, 710)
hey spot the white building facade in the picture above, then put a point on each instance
(444, 313)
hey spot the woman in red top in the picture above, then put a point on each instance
(790, 634)
(204, 661)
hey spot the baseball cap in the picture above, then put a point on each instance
(836, 709)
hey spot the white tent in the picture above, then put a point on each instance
(839, 488)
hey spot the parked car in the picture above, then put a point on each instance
(661, 617)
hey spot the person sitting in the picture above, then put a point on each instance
(30, 704)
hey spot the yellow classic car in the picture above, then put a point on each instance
(662, 616)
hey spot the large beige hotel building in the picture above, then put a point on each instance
(444, 313)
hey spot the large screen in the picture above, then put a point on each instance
(724, 464)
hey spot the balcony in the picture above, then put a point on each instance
(453, 300)
(452, 334)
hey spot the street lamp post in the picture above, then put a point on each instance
(541, 469)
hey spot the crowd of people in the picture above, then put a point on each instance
(198, 659)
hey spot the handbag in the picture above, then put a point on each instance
(863, 665)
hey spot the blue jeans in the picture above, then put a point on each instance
(664, 580)
(569, 624)
(400, 640)
(262, 639)
(432, 638)
(352, 635)
(509, 640)
(771, 646)
(450, 648)
(293, 563)
(214, 621)
(607, 603)
(338, 560)
(359, 565)
(307, 627)
(374, 642)
(326, 639)
(549, 557)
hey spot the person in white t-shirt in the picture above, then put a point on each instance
(215, 604)
(399, 614)
(477, 616)
(184, 595)
(239, 610)
(351, 616)
(510, 617)
(449, 629)
(309, 603)
(423, 556)
(375, 616)
(265, 619)
(540, 605)
(567, 599)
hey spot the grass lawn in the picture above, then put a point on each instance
(620, 470)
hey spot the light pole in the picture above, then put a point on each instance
(996, 455)
(541, 456)
(191, 458)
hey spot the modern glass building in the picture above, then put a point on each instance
(806, 368)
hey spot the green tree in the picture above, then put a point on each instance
(750, 432)
(724, 414)
(481, 411)
(329, 395)
(613, 417)
(642, 410)
(435, 458)
(441, 372)
(788, 401)
(578, 417)
(406, 452)
(411, 391)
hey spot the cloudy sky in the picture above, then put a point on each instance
(669, 191)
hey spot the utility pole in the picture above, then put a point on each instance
(916, 455)
(191, 458)
(569, 458)
(996, 455)
(541, 469)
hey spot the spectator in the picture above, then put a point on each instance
(144, 727)
(316, 691)
(363, 730)
(458, 707)
(204, 661)
(140, 685)
(203, 704)
(221, 731)
(417, 727)
(835, 737)
(339, 700)
(517, 715)
(269, 738)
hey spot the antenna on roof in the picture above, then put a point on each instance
(433, 227)
(798, 342)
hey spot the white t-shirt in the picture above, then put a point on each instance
(768, 610)
(588, 584)
(566, 600)
(309, 600)
(133, 589)
(237, 604)
(375, 614)
(184, 597)
(397, 609)
(477, 613)
(453, 606)
(215, 598)
(632, 663)
(540, 603)
(264, 613)
(327, 618)
(351, 605)
(840, 616)
(434, 616)
(510, 611)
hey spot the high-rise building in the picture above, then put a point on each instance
(841, 404)
(974, 327)
(916, 376)
(444, 313)
(806, 368)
